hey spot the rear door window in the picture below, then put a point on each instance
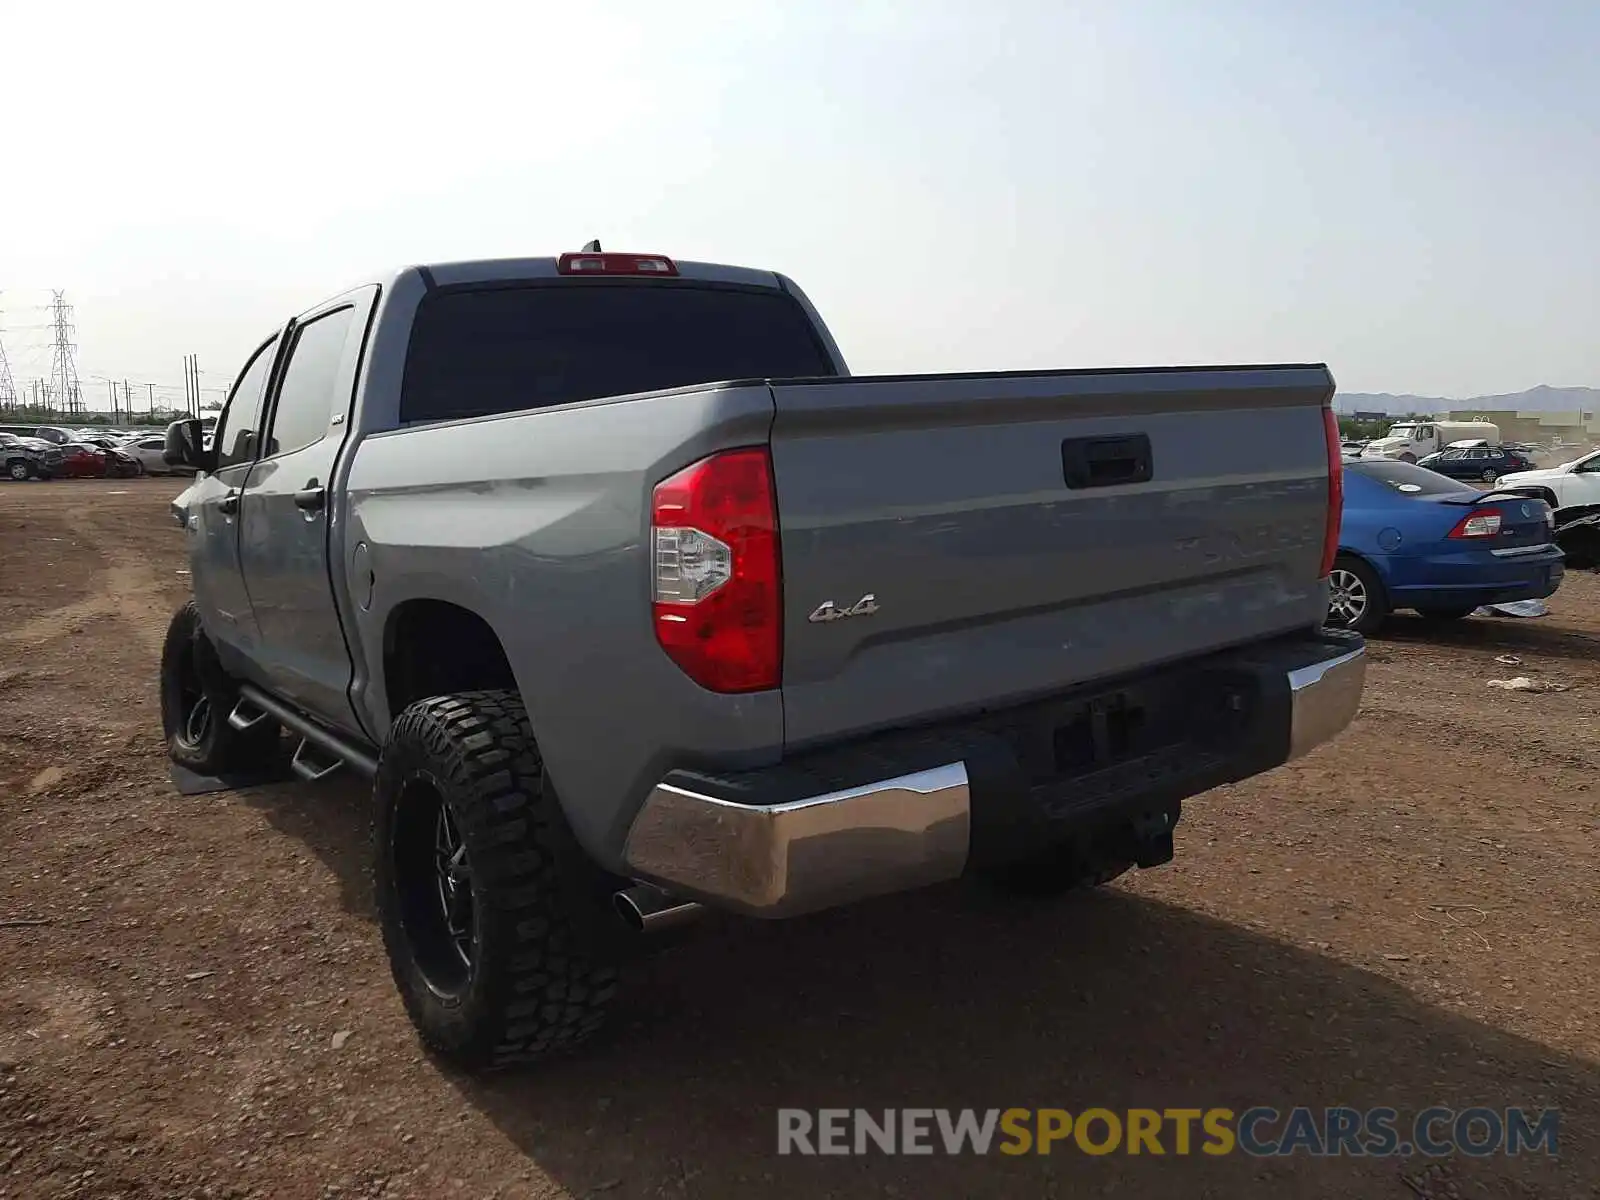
(305, 403)
(475, 352)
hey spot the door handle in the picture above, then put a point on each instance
(229, 503)
(1106, 461)
(310, 499)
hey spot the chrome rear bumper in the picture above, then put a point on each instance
(815, 853)
(908, 831)
(1324, 699)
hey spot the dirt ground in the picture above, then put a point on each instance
(194, 1001)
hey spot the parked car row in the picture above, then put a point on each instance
(27, 453)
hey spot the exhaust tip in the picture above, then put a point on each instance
(648, 909)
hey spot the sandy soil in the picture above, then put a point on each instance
(1406, 917)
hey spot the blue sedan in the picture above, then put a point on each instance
(1412, 538)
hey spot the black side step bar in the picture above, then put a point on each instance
(339, 747)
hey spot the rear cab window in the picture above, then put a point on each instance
(478, 351)
(1407, 479)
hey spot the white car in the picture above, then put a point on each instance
(1576, 482)
(147, 449)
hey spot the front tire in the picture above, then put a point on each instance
(18, 470)
(196, 698)
(1356, 599)
(497, 925)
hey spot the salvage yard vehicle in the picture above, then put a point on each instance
(1412, 538)
(1578, 535)
(1479, 461)
(1410, 441)
(121, 463)
(150, 452)
(28, 458)
(83, 460)
(632, 603)
(1567, 486)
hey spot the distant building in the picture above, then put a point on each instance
(1523, 425)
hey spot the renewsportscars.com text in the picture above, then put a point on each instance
(1258, 1131)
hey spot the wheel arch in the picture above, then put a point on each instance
(414, 669)
(1380, 601)
(435, 647)
(1365, 560)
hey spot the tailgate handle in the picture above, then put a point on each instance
(1106, 461)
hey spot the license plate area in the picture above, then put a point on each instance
(1129, 728)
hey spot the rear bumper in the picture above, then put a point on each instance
(904, 810)
(1480, 577)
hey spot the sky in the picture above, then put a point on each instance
(1407, 192)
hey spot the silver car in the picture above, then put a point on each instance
(147, 448)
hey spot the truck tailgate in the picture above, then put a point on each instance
(1021, 533)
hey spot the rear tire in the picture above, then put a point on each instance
(196, 698)
(498, 927)
(1356, 599)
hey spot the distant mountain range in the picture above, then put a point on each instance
(1543, 398)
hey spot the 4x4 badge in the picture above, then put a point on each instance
(829, 611)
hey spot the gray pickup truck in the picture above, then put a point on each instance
(633, 603)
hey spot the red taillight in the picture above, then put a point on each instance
(1480, 522)
(598, 263)
(718, 587)
(1330, 535)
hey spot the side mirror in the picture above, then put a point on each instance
(186, 446)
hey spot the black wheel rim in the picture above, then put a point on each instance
(453, 884)
(192, 707)
(435, 887)
(197, 720)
